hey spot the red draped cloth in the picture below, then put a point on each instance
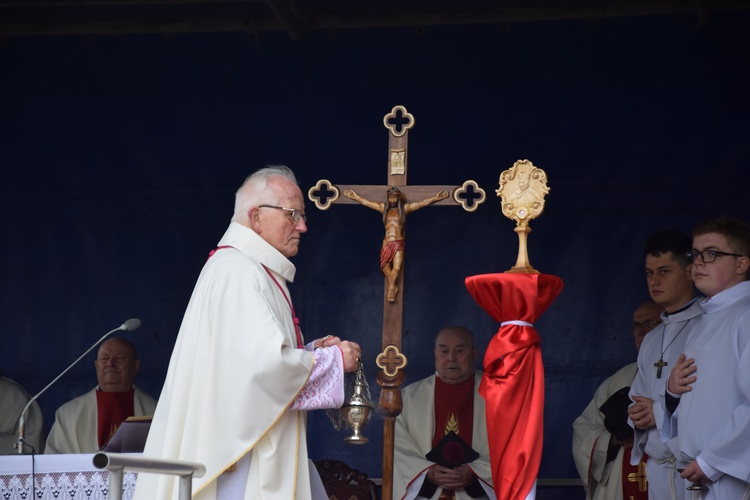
(389, 250)
(513, 382)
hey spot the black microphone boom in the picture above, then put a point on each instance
(129, 325)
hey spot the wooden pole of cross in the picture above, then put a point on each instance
(394, 201)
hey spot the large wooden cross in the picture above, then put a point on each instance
(391, 360)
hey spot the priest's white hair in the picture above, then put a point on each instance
(254, 191)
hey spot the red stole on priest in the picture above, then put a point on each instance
(454, 409)
(634, 482)
(112, 408)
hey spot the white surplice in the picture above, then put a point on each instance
(665, 340)
(712, 422)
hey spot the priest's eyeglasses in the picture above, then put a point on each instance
(295, 214)
(708, 256)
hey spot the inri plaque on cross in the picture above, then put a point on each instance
(394, 201)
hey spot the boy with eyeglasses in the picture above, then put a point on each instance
(709, 387)
(671, 286)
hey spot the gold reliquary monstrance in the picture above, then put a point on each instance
(516, 299)
(522, 190)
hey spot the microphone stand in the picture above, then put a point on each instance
(130, 324)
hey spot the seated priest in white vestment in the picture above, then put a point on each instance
(85, 424)
(441, 448)
(602, 436)
(13, 399)
(241, 377)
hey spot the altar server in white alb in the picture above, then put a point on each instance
(86, 423)
(241, 377)
(709, 387)
(671, 286)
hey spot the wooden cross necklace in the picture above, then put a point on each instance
(661, 363)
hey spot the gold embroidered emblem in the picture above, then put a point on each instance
(639, 477)
(452, 424)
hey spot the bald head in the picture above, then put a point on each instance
(455, 354)
(116, 365)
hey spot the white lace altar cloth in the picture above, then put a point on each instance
(57, 477)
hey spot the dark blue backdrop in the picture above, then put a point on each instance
(120, 157)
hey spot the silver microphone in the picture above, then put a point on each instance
(131, 324)
(128, 326)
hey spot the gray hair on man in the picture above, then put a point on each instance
(254, 191)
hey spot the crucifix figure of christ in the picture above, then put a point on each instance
(396, 196)
(394, 211)
(659, 365)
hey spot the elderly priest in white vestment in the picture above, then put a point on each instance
(441, 447)
(87, 423)
(241, 377)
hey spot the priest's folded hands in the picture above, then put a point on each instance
(451, 479)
